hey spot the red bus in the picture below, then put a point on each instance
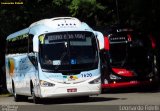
(128, 59)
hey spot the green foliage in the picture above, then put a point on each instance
(87, 10)
(74, 7)
(58, 2)
(87, 7)
(138, 13)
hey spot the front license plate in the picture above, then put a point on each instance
(133, 81)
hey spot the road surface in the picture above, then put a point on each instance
(123, 101)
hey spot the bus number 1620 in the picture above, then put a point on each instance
(87, 75)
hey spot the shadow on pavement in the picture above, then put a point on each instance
(74, 100)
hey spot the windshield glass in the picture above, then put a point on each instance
(118, 53)
(130, 54)
(68, 51)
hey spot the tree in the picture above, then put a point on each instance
(87, 10)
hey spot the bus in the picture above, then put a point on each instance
(129, 59)
(53, 58)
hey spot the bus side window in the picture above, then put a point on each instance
(7, 47)
(30, 43)
(33, 60)
(10, 48)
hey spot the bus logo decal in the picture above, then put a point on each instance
(11, 67)
(70, 78)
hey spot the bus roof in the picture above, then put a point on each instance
(53, 25)
(21, 32)
(56, 19)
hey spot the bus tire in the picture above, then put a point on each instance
(17, 97)
(155, 69)
(36, 100)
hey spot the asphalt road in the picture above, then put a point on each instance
(114, 101)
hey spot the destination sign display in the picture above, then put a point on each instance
(64, 37)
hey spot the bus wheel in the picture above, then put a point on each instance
(155, 68)
(35, 99)
(17, 97)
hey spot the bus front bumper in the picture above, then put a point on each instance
(126, 84)
(70, 91)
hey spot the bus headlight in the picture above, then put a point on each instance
(114, 77)
(46, 84)
(95, 81)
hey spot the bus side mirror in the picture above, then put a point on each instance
(35, 44)
(100, 38)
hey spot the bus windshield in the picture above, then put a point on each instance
(118, 53)
(130, 54)
(68, 51)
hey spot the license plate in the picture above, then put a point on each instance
(72, 90)
(133, 81)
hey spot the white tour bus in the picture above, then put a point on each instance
(57, 57)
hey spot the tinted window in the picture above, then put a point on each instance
(66, 51)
